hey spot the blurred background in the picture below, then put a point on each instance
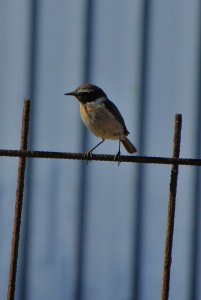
(97, 231)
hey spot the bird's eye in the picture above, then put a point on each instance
(84, 94)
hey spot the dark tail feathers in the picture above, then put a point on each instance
(128, 145)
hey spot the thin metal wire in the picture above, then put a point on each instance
(19, 202)
(171, 209)
(101, 157)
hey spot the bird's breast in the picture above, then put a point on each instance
(101, 121)
(86, 113)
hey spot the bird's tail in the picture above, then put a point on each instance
(128, 145)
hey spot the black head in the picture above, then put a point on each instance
(87, 93)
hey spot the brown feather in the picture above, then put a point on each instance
(128, 145)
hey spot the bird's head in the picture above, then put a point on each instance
(87, 93)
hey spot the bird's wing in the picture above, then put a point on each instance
(116, 113)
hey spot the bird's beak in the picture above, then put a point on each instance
(70, 94)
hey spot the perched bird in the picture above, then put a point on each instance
(102, 116)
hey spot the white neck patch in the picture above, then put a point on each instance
(100, 100)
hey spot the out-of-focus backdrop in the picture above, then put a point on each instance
(97, 231)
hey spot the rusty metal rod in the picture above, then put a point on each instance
(19, 202)
(171, 209)
(101, 157)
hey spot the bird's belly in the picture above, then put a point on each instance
(101, 122)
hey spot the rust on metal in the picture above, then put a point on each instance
(101, 157)
(19, 202)
(171, 209)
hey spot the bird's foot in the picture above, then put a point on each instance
(117, 157)
(88, 155)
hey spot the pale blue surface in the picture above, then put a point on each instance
(111, 198)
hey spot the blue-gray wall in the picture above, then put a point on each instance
(146, 56)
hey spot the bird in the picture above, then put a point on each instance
(101, 116)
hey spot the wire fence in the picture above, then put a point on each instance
(23, 154)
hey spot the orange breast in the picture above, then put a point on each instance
(85, 115)
(101, 122)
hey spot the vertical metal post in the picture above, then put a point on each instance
(19, 202)
(171, 209)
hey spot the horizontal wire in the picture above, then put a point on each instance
(101, 157)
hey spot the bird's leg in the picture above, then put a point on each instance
(89, 153)
(118, 155)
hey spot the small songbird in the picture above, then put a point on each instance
(101, 116)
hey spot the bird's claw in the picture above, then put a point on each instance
(118, 157)
(88, 156)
